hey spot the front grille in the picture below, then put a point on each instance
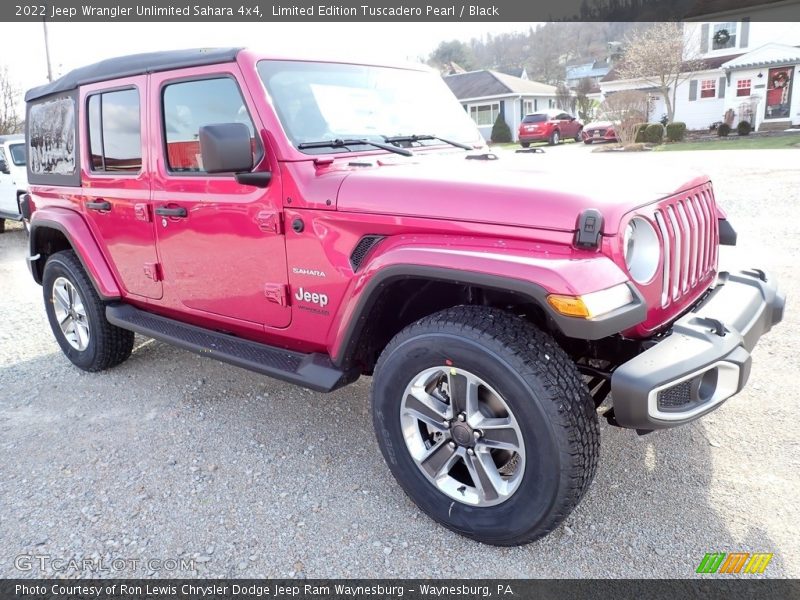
(675, 396)
(690, 233)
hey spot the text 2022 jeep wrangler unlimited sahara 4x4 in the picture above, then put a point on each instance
(315, 221)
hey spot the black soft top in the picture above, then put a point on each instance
(133, 64)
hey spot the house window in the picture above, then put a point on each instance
(708, 88)
(743, 87)
(528, 107)
(484, 114)
(723, 36)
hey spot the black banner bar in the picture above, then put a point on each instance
(733, 588)
(399, 10)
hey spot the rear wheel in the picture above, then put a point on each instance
(525, 144)
(485, 423)
(77, 316)
(555, 138)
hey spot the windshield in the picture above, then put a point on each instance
(327, 101)
(17, 152)
(534, 118)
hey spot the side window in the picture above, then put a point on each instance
(115, 131)
(189, 105)
(51, 141)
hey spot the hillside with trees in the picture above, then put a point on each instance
(544, 50)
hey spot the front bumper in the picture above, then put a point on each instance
(704, 360)
(608, 136)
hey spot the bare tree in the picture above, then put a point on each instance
(658, 58)
(564, 98)
(583, 103)
(10, 121)
(629, 109)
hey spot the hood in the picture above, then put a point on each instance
(600, 125)
(546, 191)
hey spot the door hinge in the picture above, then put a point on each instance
(153, 271)
(270, 221)
(277, 293)
(142, 212)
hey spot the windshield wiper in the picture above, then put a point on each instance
(424, 137)
(344, 143)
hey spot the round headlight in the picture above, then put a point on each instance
(642, 249)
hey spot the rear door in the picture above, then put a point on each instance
(221, 243)
(116, 185)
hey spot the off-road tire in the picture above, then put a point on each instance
(525, 144)
(538, 382)
(108, 344)
(555, 138)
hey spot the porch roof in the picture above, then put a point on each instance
(768, 54)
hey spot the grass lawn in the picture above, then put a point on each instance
(736, 143)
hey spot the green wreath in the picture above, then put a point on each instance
(722, 37)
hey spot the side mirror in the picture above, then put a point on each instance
(226, 148)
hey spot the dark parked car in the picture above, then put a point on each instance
(549, 126)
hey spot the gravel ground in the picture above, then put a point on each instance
(171, 455)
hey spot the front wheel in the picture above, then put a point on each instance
(578, 136)
(77, 316)
(485, 423)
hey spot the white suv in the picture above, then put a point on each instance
(13, 178)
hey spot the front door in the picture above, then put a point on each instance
(221, 244)
(779, 93)
(116, 187)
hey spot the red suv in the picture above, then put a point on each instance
(550, 126)
(317, 221)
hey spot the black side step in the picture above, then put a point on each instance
(314, 371)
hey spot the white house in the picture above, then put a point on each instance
(485, 94)
(750, 68)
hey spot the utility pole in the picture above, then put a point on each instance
(47, 51)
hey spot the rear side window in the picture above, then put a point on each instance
(115, 131)
(188, 106)
(52, 143)
(534, 118)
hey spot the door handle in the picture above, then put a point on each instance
(163, 211)
(99, 205)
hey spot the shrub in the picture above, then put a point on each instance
(500, 131)
(723, 130)
(640, 129)
(676, 131)
(654, 133)
(744, 128)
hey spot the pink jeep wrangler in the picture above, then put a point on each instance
(316, 221)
